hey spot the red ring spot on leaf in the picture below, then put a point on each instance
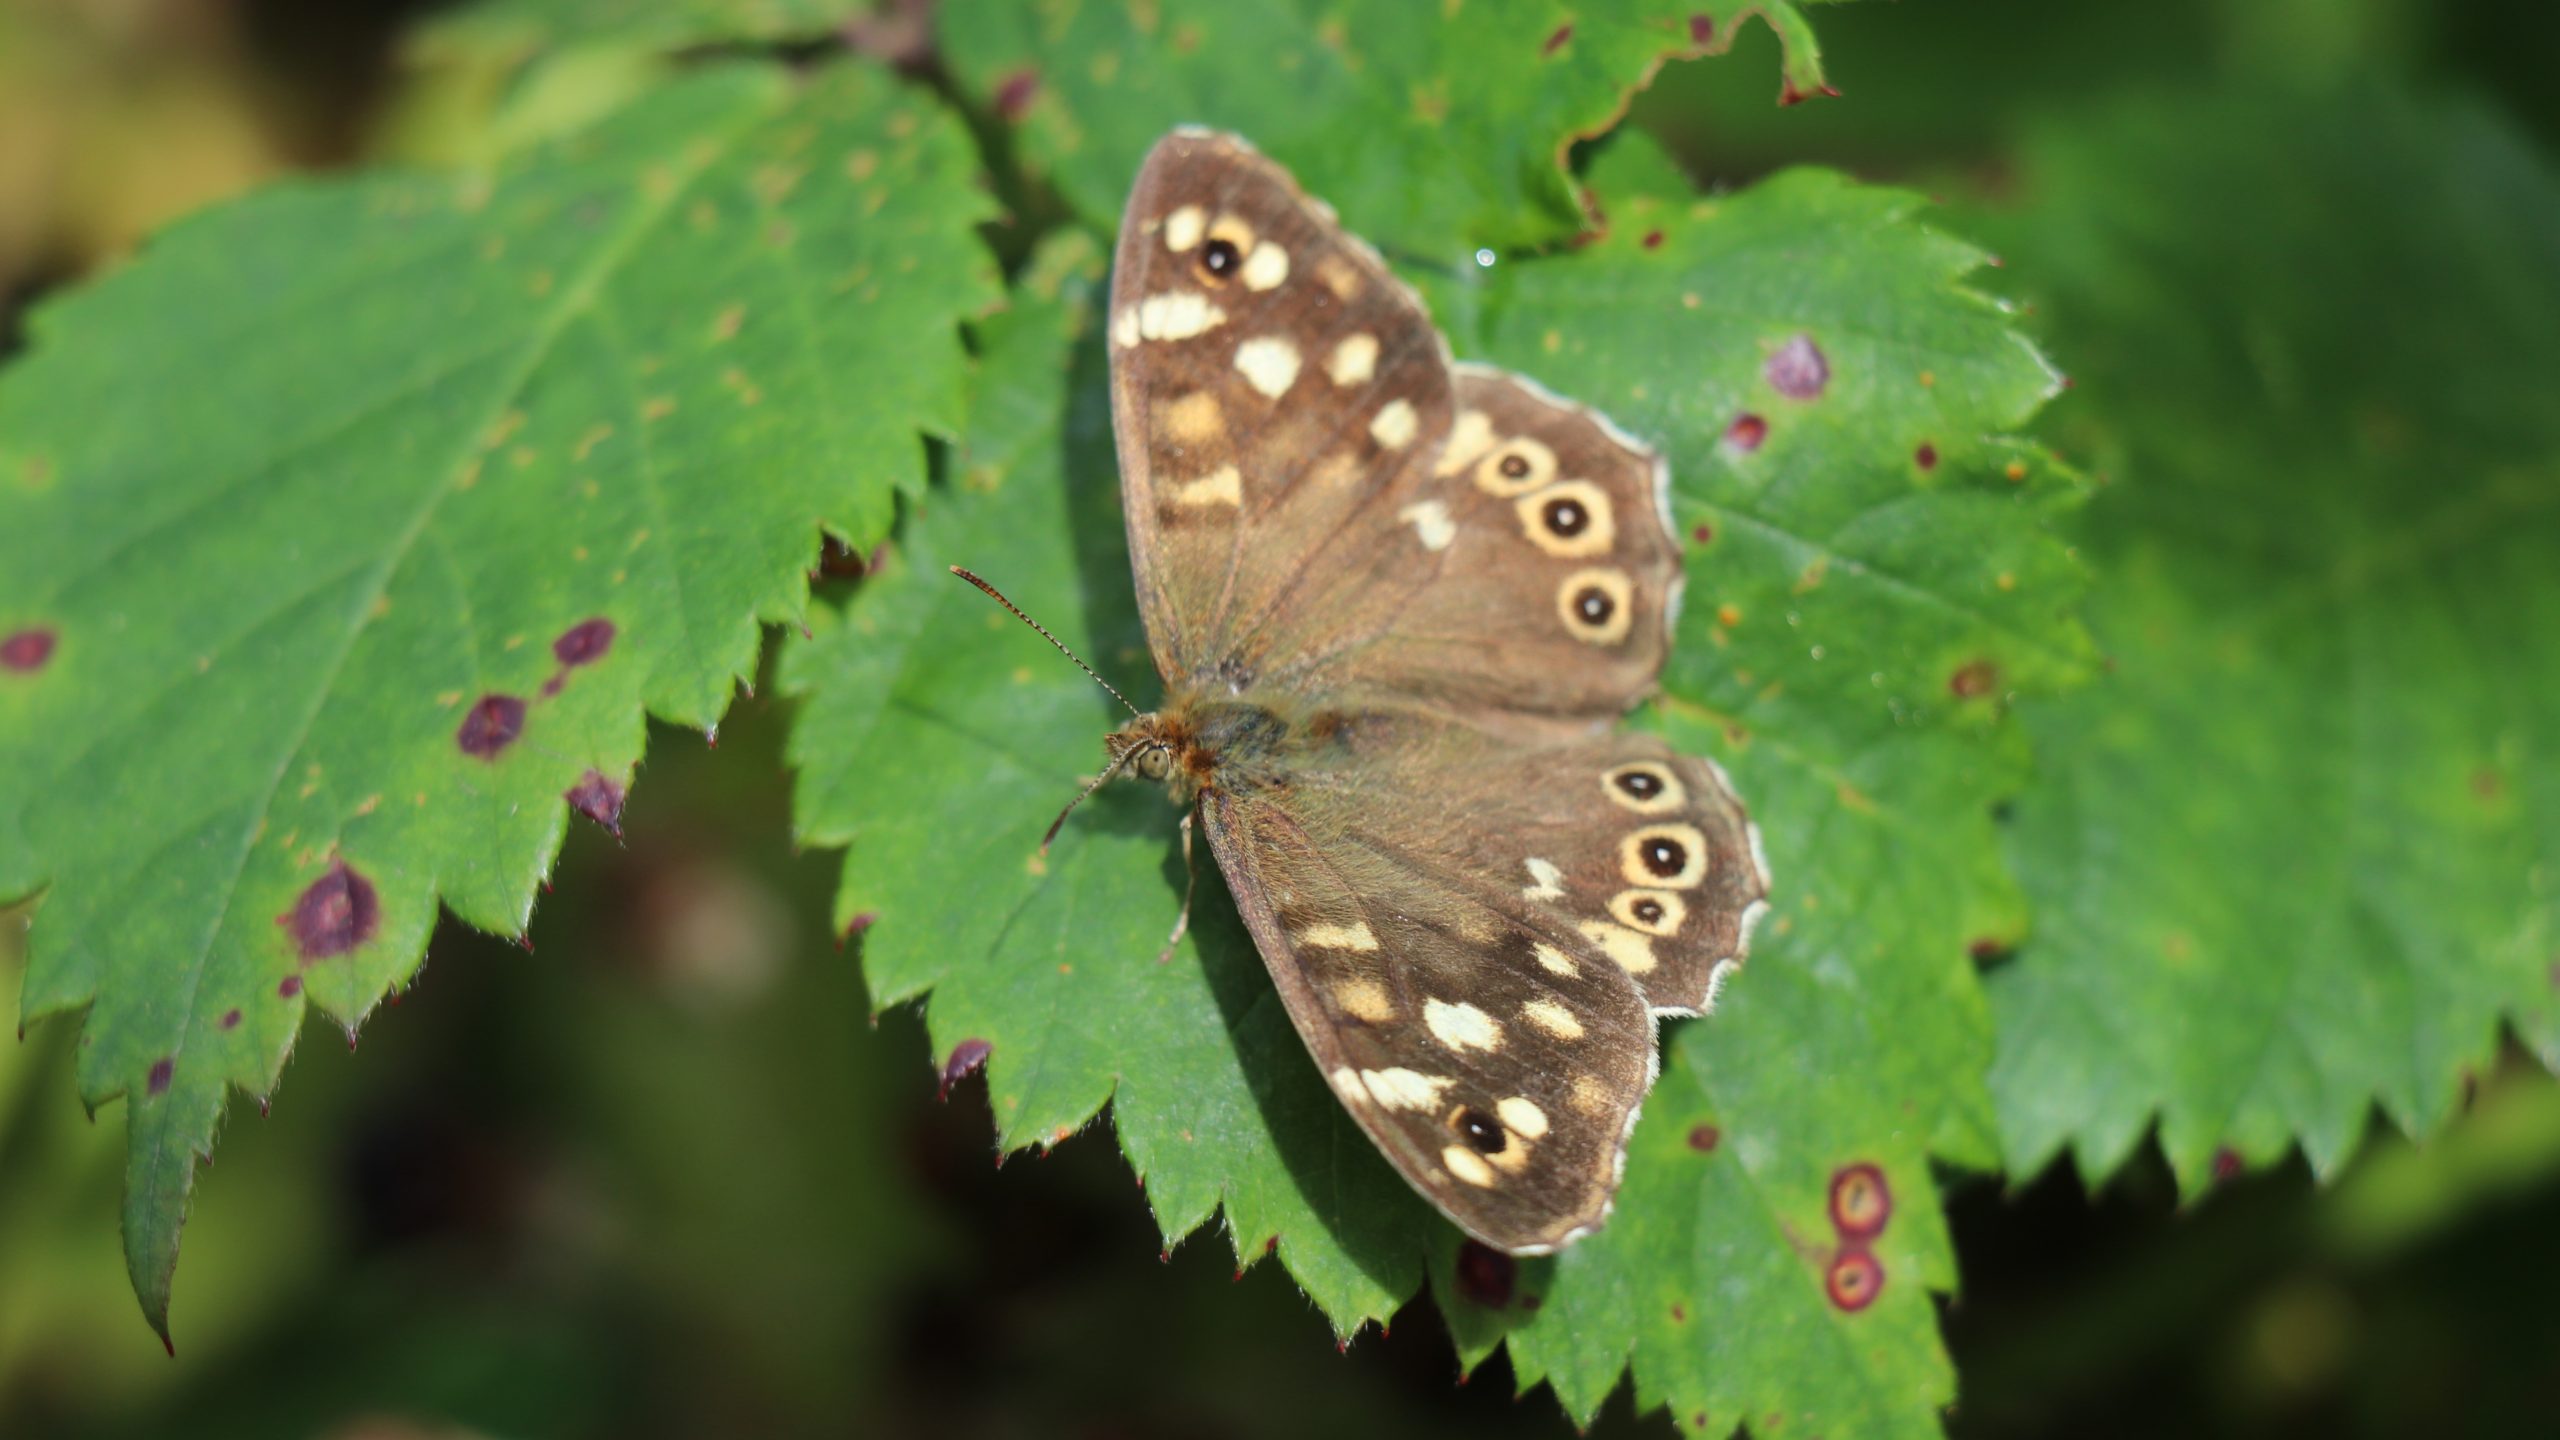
(288, 987)
(1926, 457)
(162, 1071)
(584, 643)
(1705, 1138)
(1854, 1280)
(1557, 41)
(1653, 239)
(1014, 93)
(1703, 533)
(491, 726)
(1746, 432)
(598, 796)
(967, 1057)
(26, 650)
(2226, 1163)
(1797, 369)
(1973, 680)
(231, 1019)
(1861, 1201)
(1486, 1275)
(333, 915)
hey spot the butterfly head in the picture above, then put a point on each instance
(1162, 747)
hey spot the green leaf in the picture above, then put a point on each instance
(1858, 1036)
(514, 29)
(1445, 125)
(2299, 855)
(365, 517)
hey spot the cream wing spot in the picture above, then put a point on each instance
(1364, 999)
(1431, 523)
(1222, 486)
(1346, 1083)
(1184, 227)
(1402, 1089)
(1461, 1026)
(1193, 419)
(1339, 276)
(1354, 936)
(1178, 315)
(1395, 424)
(1664, 856)
(1555, 961)
(1549, 881)
(1590, 1096)
(1269, 364)
(1266, 267)
(1354, 360)
(1467, 1165)
(1632, 952)
(1469, 437)
(1124, 327)
(1523, 1116)
(1553, 1018)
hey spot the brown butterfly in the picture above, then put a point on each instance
(1397, 603)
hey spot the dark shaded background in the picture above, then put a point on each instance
(660, 1177)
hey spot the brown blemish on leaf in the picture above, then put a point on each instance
(1562, 37)
(2226, 1164)
(2487, 784)
(1926, 457)
(967, 1058)
(1014, 94)
(230, 1019)
(333, 915)
(1703, 533)
(1974, 679)
(288, 987)
(26, 651)
(490, 725)
(1652, 240)
(2016, 471)
(1705, 1138)
(162, 1070)
(1484, 1275)
(1746, 432)
(1797, 369)
(598, 796)
(1702, 31)
(1861, 1201)
(1854, 1280)
(583, 643)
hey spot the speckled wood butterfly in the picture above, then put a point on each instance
(1397, 602)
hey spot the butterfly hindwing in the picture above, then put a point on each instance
(1493, 1053)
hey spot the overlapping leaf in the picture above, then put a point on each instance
(512, 28)
(357, 522)
(1444, 125)
(2303, 852)
(1838, 585)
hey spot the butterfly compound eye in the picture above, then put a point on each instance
(1220, 258)
(1481, 1131)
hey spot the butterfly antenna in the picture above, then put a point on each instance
(1097, 783)
(998, 596)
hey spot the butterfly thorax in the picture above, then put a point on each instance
(1199, 742)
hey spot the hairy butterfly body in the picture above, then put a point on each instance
(1397, 603)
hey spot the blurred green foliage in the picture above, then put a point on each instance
(567, 1194)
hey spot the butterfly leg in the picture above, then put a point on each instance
(1190, 883)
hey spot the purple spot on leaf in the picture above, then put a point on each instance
(1557, 41)
(230, 1019)
(1926, 457)
(584, 643)
(1702, 28)
(599, 797)
(161, 1071)
(493, 723)
(1746, 432)
(2226, 1163)
(333, 915)
(1854, 1280)
(1798, 370)
(26, 650)
(966, 1057)
(1704, 1138)
(1653, 239)
(1486, 1275)
(288, 987)
(1014, 93)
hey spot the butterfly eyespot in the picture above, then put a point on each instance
(1655, 912)
(1572, 519)
(1481, 1131)
(1646, 787)
(1220, 259)
(1595, 606)
(1664, 857)
(1515, 467)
